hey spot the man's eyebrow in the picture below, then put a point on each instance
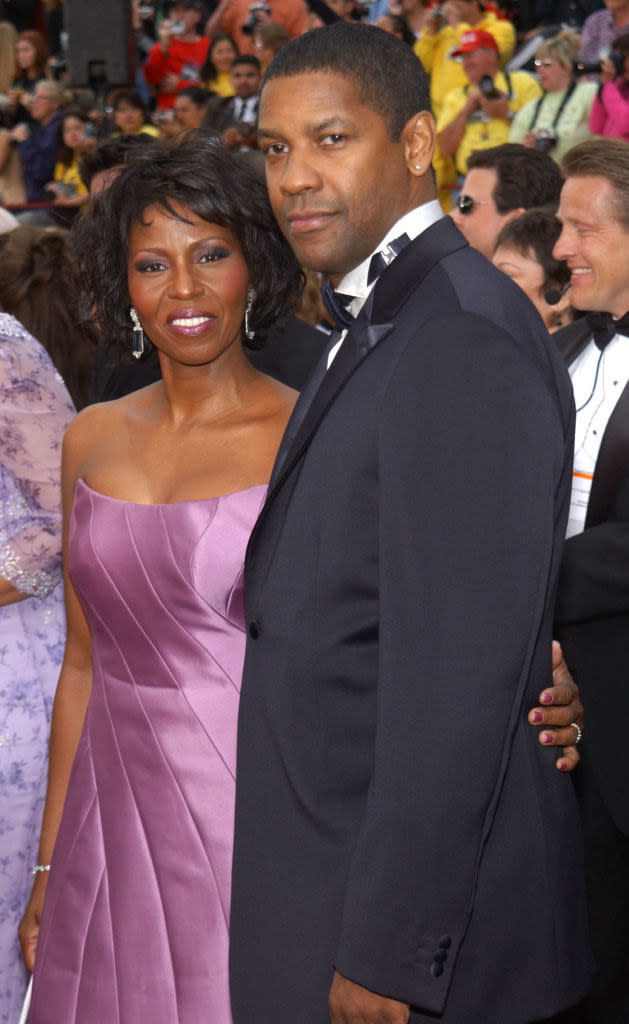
(335, 122)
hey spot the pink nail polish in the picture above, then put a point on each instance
(546, 698)
(538, 716)
(547, 737)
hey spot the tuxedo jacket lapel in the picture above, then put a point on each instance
(611, 464)
(374, 322)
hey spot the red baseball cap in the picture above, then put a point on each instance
(475, 39)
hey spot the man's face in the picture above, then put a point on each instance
(188, 114)
(337, 181)
(482, 224)
(594, 245)
(43, 106)
(245, 80)
(479, 63)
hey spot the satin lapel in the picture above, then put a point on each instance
(375, 322)
(611, 464)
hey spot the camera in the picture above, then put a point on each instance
(488, 89)
(545, 139)
(595, 68)
(252, 19)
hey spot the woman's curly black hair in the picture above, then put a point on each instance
(215, 185)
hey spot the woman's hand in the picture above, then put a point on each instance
(562, 710)
(28, 929)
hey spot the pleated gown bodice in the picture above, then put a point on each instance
(135, 923)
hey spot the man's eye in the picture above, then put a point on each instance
(275, 149)
(333, 139)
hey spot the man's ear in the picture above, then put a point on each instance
(418, 136)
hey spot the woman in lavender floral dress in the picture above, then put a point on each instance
(35, 409)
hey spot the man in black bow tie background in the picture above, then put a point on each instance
(404, 848)
(593, 600)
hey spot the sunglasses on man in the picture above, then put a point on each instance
(466, 204)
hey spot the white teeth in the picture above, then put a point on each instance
(582, 270)
(189, 321)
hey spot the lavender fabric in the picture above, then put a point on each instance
(35, 409)
(135, 922)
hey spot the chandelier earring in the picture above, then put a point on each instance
(137, 345)
(249, 331)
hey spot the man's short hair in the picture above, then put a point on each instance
(55, 90)
(196, 94)
(115, 151)
(526, 177)
(247, 58)
(603, 158)
(388, 76)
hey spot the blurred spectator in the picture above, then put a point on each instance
(239, 18)
(130, 114)
(8, 37)
(558, 120)
(601, 28)
(31, 55)
(478, 114)
(610, 111)
(177, 58)
(501, 183)
(269, 40)
(67, 188)
(36, 143)
(396, 25)
(36, 409)
(38, 286)
(414, 13)
(190, 106)
(440, 38)
(564, 12)
(524, 253)
(215, 74)
(237, 118)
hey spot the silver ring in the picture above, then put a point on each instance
(573, 725)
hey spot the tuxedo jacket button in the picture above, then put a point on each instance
(436, 970)
(440, 956)
(444, 942)
(254, 629)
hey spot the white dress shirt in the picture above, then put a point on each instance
(598, 380)
(355, 282)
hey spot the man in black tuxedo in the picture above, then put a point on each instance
(593, 599)
(237, 116)
(403, 850)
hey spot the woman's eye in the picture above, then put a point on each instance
(149, 267)
(214, 254)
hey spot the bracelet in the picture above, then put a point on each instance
(40, 867)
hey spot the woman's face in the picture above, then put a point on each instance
(188, 283)
(553, 75)
(128, 118)
(528, 274)
(222, 55)
(73, 133)
(25, 54)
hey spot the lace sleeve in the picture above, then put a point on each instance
(35, 409)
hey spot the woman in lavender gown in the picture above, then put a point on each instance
(161, 490)
(35, 409)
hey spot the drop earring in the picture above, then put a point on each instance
(249, 331)
(137, 345)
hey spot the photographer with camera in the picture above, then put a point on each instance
(478, 114)
(179, 54)
(609, 115)
(558, 120)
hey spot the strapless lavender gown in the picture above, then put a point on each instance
(135, 922)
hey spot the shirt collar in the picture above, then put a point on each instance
(413, 223)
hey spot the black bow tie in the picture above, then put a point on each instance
(380, 260)
(604, 327)
(336, 305)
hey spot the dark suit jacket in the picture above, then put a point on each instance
(593, 601)
(395, 814)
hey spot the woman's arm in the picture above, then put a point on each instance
(69, 708)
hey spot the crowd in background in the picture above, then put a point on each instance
(512, 92)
